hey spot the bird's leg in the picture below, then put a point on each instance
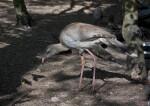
(95, 59)
(82, 69)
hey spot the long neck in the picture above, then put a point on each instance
(60, 48)
(52, 50)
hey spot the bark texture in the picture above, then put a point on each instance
(22, 15)
(132, 35)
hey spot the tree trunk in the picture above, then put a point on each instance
(132, 35)
(72, 3)
(22, 15)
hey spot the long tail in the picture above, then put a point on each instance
(122, 47)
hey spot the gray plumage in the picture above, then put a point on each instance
(82, 36)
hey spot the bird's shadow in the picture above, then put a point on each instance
(100, 74)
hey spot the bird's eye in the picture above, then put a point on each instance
(47, 52)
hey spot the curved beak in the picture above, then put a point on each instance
(43, 59)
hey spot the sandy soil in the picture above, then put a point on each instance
(24, 81)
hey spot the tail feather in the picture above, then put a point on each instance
(99, 51)
(122, 47)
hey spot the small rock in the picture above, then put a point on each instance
(97, 94)
(54, 99)
(38, 70)
(131, 98)
(62, 104)
(101, 101)
(111, 93)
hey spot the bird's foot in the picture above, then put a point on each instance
(92, 91)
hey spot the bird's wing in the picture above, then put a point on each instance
(124, 48)
(114, 42)
(99, 51)
(97, 36)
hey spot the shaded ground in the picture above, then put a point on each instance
(52, 83)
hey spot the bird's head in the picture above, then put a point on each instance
(50, 51)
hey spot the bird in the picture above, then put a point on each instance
(88, 38)
(97, 16)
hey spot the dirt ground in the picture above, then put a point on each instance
(25, 81)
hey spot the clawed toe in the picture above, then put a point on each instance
(92, 91)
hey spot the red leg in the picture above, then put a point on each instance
(82, 69)
(95, 59)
